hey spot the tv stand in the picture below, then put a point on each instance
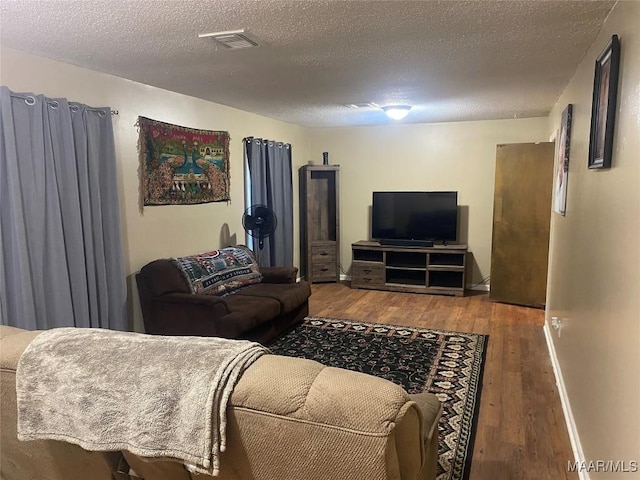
(436, 269)
(406, 243)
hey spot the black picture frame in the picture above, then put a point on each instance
(563, 142)
(603, 108)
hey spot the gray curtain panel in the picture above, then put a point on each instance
(61, 253)
(271, 183)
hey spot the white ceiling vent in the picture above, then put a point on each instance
(362, 105)
(233, 39)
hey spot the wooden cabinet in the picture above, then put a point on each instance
(319, 223)
(439, 269)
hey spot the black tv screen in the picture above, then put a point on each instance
(431, 216)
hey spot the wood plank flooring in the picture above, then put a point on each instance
(521, 432)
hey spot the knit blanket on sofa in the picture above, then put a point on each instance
(220, 271)
(155, 396)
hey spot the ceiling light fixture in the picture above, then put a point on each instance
(396, 112)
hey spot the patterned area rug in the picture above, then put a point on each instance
(448, 364)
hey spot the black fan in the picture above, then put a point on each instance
(260, 222)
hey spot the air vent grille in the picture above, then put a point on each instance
(234, 39)
(362, 105)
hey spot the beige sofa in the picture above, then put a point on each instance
(289, 419)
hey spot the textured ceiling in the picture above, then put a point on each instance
(452, 60)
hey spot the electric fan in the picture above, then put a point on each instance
(260, 222)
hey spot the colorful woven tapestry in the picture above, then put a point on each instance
(182, 166)
(220, 271)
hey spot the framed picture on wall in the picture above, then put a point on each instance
(603, 108)
(562, 168)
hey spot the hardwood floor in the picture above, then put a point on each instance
(521, 433)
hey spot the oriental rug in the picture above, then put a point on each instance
(180, 165)
(447, 364)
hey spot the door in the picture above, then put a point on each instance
(521, 218)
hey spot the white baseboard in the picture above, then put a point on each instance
(566, 406)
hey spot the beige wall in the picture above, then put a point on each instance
(455, 156)
(594, 281)
(166, 230)
(447, 156)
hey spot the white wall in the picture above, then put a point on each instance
(160, 231)
(446, 156)
(594, 275)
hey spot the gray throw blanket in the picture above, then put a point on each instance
(154, 396)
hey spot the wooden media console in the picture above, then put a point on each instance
(437, 270)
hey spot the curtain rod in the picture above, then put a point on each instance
(265, 141)
(31, 100)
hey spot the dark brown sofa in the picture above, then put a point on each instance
(258, 312)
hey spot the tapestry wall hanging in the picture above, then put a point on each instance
(182, 166)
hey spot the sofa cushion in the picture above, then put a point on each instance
(279, 274)
(246, 312)
(220, 271)
(290, 296)
(311, 392)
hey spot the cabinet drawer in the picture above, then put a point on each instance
(363, 274)
(322, 270)
(368, 269)
(323, 253)
(359, 281)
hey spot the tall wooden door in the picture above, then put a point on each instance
(521, 218)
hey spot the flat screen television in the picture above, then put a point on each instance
(420, 218)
